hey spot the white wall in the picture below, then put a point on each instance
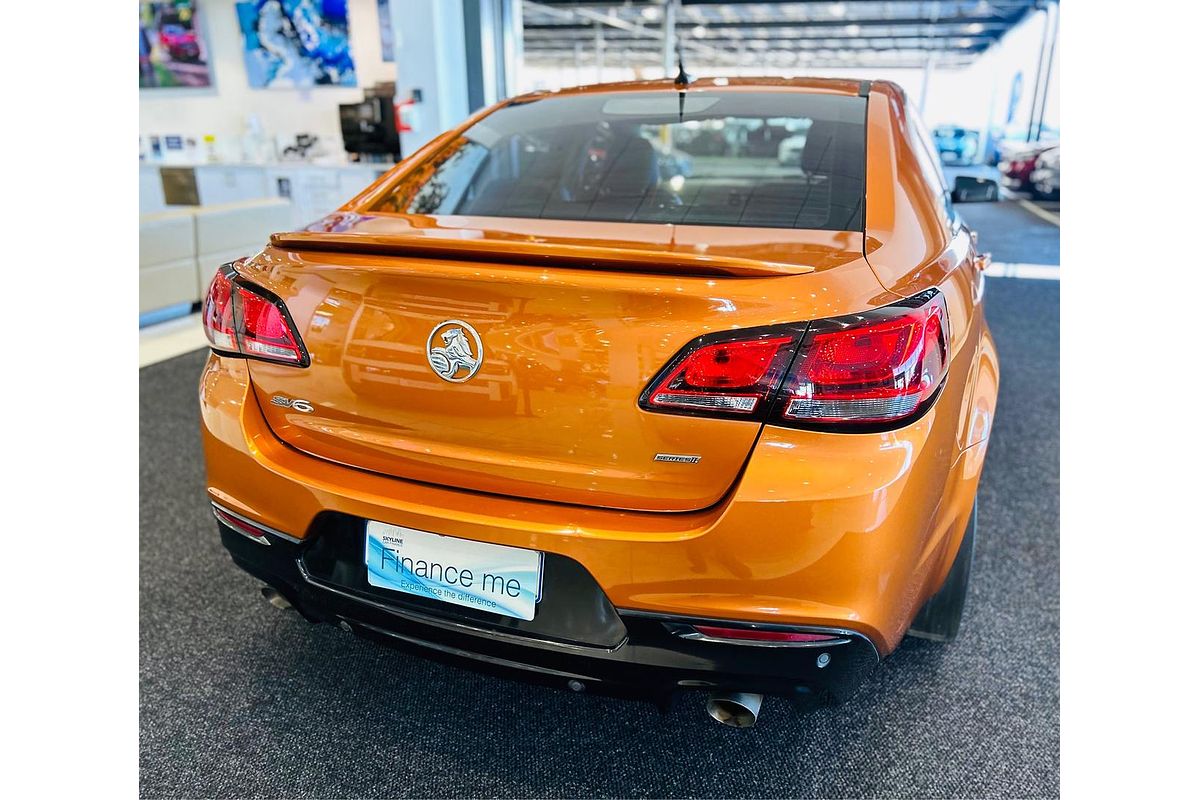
(222, 108)
(980, 93)
(430, 57)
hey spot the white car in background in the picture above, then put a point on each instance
(1046, 176)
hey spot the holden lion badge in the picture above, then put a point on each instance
(454, 350)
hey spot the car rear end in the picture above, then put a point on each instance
(536, 405)
(1046, 176)
(1017, 166)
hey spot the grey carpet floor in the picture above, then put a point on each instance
(241, 700)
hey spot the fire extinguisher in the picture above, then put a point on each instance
(406, 113)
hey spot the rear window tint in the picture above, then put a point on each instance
(747, 159)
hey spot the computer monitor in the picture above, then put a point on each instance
(369, 127)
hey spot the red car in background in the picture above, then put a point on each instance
(1016, 167)
(179, 42)
(1046, 176)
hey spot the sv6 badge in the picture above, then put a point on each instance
(287, 402)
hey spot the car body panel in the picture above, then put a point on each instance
(867, 522)
(552, 413)
(907, 224)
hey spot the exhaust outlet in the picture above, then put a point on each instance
(272, 596)
(736, 709)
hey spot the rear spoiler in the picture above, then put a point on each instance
(537, 253)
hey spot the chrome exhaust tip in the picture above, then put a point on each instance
(736, 709)
(272, 596)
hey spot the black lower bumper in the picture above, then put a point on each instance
(577, 641)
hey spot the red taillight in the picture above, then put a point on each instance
(734, 376)
(265, 331)
(878, 370)
(876, 367)
(757, 635)
(244, 319)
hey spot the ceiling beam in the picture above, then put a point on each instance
(754, 55)
(956, 30)
(594, 18)
(717, 25)
(718, 41)
(916, 61)
(642, 3)
(959, 5)
(937, 47)
(772, 41)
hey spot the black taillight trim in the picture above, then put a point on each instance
(795, 330)
(770, 411)
(850, 322)
(238, 281)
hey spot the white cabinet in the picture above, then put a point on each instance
(180, 249)
(317, 191)
(314, 190)
(219, 183)
(150, 191)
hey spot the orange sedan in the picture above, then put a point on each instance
(598, 390)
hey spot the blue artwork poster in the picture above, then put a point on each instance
(171, 51)
(294, 44)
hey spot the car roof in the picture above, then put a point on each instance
(846, 86)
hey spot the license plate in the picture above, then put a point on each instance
(491, 577)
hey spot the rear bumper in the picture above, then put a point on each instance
(646, 658)
(849, 532)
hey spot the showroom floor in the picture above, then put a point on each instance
(239, 699)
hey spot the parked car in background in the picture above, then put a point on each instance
(1003, 141)
(1016, 166)
(956, 145)
(1045, 175)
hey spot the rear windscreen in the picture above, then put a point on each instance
(749, 159)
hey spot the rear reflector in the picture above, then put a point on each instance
(756, 635)
(880, 366)
(241, 525)
(241, 318)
